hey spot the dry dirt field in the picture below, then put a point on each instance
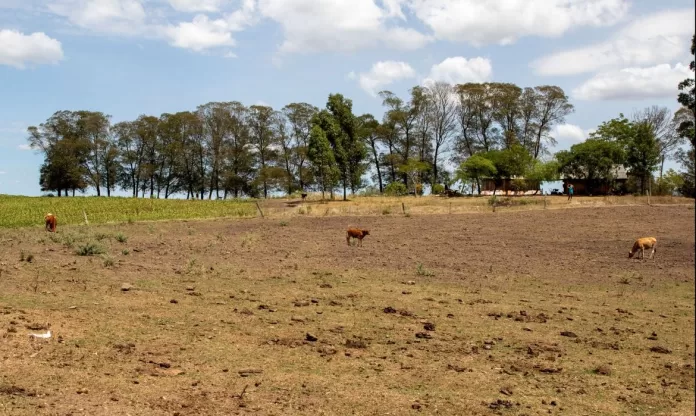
(511, 313)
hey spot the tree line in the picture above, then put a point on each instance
(492, 130)
(226, 149)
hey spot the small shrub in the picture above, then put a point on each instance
(386, 211)
(421, 271)
(108, 262)
(125, 252)
(28, 257)
(438, 189)
(396, 189)
(102, 236)
(121, 238)
(69, 241)
(283, 223)
(89, 249)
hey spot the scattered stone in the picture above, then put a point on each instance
(653, 336)
(356, 343)
(126, 287)
(603, 369)
(325, 286)
(300, 303)
(456, 368)
(82, 391)
(429, 326)
(310, 337)
(298, 318)
(423, 335)
(506, 391)
(190, 288)
(501, 404)
(327, 350)
(416, 406)
(661, 350)
(194, 293)
(389, 309)
(249, 371)
(569, 334)
(173, 301)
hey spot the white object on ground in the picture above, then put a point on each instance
(46, 335)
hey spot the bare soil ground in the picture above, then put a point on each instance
(512, 313)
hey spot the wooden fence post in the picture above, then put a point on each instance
(403, 208)
(257, 206)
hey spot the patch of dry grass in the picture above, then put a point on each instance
(254, 316)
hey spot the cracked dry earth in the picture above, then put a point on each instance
(510, 313)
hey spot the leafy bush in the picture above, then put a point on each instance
(89, 249)
(395, 189)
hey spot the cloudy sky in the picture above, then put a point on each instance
(132, 57)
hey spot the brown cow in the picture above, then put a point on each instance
(643, 243)
(356, 233)
(51, 222)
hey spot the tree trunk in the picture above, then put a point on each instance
(662, 165)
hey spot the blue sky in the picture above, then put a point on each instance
(132, 57)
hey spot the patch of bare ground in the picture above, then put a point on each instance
(498, 313)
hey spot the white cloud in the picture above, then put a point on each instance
(459, 70)
(108, 16)
(481, 22)
(634, 83)
(384, 73)
(652, 39)
(200, 34)
(339, 25)
(24, 147)
(19, 50)
(568, 134)
(196, 5)
(203, 33)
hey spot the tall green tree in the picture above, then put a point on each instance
(443, 114)
(643, 154)
(368, 133)
(350, 151)
(65, 151)
(595, 160)
(474, 169)
(299, 116)
(265, 144)
(322, 158)
(687, 98)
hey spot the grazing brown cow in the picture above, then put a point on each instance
(304, 196)
(356, 233)
(643, 243)
(51, 222)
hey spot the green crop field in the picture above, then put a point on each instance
(19, 211)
